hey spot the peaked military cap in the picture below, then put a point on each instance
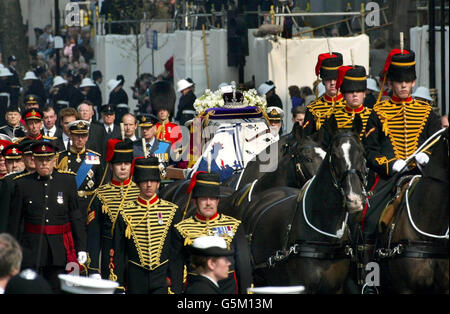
(25, 146)
(146, 169)
(275, 113)
(12, 152)
(79, 127)
(107, 109)
(32, 114)
(31, 99)
(214, 246)
(43, 148)
(147, 120)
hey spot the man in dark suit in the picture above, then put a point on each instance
(95, 94)
(46, 203)
(111, 129)
(14, 81)
(97, 136)
(50, 129)
(209, 259)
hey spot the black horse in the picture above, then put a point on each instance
(414, 253)
(296, 160)
(301, 237)
(299, 158)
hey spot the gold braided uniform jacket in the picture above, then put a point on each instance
(344, 118)
(219, 225)
(319, 110)
(395, 130)
(142, 237)
(103, 211)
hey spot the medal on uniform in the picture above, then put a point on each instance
(90, 173)
(78, 159)
(160, 218)
(90, 184)
(59, 198)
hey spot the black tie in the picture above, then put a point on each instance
(148, 149)
(109, 130)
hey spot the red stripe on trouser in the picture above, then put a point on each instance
(66, 232)
(363, 218)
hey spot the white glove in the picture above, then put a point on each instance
(82, 257)
(95, 276)
(398, 165)
(422, 158)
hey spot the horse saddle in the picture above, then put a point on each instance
(389, 211)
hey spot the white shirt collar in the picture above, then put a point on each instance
(213, 281)
(152, 141)
(133, 138)
(52, 130)
(108, 126)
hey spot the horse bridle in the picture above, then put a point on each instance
(303, 174)
(338, 183)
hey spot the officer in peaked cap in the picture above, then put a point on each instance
(31, 101)
(108, 115)
(105, 203)
(209, 259)
(149, 144)
(33, 118)
(45, 203)
(204, 190)
(275, 115)
(319, 110)
(135, 232)
(84, 162)
(13, 158)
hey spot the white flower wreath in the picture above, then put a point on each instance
(215, 99)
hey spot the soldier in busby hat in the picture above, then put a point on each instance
(143, 225)
(386, 149)
(317, 111)
(162, 100)
(395, 129)
(106, 202)
(204, 190)
(352, 83)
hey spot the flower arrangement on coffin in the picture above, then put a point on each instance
(232, 100)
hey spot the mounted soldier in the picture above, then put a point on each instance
(317, 111)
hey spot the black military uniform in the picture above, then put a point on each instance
(35, 114)
(322, 108)
(12, 151)
(351, 79)
(46, 209)
(86, 164)
(141, 238)
(208, 185)
(104, 208)
(13, 131)
(14, 82)
(209, 247)
(186, 110)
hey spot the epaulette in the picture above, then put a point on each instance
(22, 175)
(19, 139)
(94, 152)
(421, 102)
(68, 172)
